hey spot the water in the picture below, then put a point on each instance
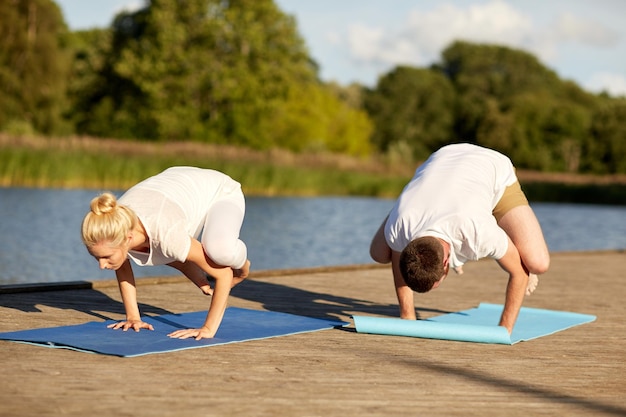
(40, 233)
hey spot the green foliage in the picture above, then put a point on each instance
(550, 192)
(412, 106)
(495, 71)
(313, 118)
(22, 166)
(510, 102)
(89, 49)
(237, 72)
(490, 95)
(232, 72)
(547, 134)
(33, 66)
(605, 149)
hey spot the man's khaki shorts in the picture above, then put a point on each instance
(513, 196)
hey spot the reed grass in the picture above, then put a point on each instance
(106, 164)
(98, 168)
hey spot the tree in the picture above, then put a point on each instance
(414, 107)
(510, 102)
(314, 118)
(33, 65)
(89, 49)
(605, 149)
(217, 71)
(496, 71)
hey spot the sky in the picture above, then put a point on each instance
(361, 40)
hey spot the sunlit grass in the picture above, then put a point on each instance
(66, 168)
(106, 164)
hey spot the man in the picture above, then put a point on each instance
(464, 203)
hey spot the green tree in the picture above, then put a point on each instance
(314, 118)
(89, 49)
(605, 149)
(412, 106)
(547, 133)
(33, 65)
(223, 72)
(509, 101)
(486, 78)
(199, 69)
(496, 71)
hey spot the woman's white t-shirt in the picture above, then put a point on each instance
(451, 197)
(173, 206)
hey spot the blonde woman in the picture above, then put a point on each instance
(185, 217)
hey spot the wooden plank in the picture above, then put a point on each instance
(577, 372)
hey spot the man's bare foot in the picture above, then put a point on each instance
(533, 281)
(458, 270)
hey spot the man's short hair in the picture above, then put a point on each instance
(421, 263)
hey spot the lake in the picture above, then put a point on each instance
(40, 231)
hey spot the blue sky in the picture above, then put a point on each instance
(359, 40)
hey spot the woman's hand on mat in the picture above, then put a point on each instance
(136, 325)
(202, 333)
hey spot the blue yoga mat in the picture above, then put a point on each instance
(478, 325)
(238, 325)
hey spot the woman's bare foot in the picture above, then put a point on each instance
(241, 273)
(206, 289)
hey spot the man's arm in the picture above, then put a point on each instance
(382, 253)
(403, 291)
(379, 250)
(516, 287)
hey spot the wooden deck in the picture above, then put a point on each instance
(578, 372)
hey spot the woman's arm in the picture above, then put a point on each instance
(126, 282)
(223, 276)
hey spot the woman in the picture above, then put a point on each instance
(185, 217)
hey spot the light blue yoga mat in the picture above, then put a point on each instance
(478, 325)
(238, 325)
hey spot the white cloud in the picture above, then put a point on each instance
(333, 38)
(586, 32)
(129, 6)
(612, 83)
(420, 39)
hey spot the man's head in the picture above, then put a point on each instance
(423, 263)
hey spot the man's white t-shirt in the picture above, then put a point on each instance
(451, 197)
(173, 206)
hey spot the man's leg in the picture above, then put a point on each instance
(522, 226)
(518, 220)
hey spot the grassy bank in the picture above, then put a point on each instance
(110, 164)
(107, 164)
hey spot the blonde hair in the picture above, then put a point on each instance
(107, 221)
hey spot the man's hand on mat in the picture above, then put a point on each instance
(202, 333)
(136, 325)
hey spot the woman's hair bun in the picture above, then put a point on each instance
(103, 204)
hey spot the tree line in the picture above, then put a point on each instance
(238, 72)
